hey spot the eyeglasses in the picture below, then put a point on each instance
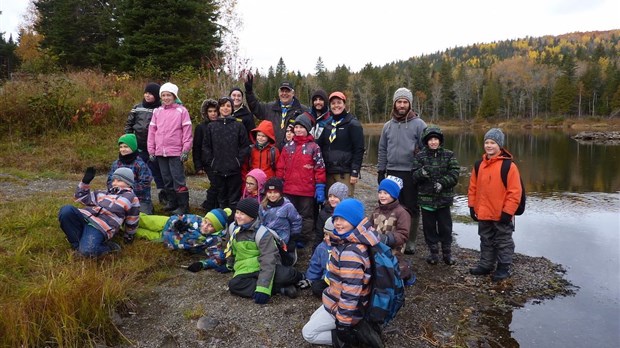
(250, 184)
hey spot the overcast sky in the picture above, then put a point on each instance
(354, 33)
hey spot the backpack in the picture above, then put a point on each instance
(285, 258)
(387, 290)
(504, 174)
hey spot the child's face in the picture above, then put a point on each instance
(341, 225)
(289, 134)
(384, 197)
(300, 130)
(148, 97)
(119, 183)
(241, 218)
(124, 149)
(212, 114)
(225, 109)
(433, 143)
(261, 138)
(491, 148)
(206, 227)
(167, 98)
(273, 195)
(251, 186)
(237, 98)
(333, 201)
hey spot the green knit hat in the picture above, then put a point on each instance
(218, 218)
(129, 140)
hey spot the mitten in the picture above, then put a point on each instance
(152, 158)
(380, 176)
(248, 83)
(472, 213)
(505, 218)
(89, 175)
(304, 284)
(222, 269)
(180, 226)
(195, 267)
(128, 238)
(437, 187)
(184, 156)
(319, 193)
(261, 298)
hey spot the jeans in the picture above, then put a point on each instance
(82, 236)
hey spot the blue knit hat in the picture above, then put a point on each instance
(391, 185)
(351, 209)
(218, 217)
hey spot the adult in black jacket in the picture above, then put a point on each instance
(240, 111)
(342, 144)
(225, 148)
(281, 112)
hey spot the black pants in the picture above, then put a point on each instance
(244, 285)
(305, 208)
(211, 201)
(228, 190)
(437, 226)
(409, 193)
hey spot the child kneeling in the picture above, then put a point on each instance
(259, 272)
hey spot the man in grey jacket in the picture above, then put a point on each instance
(401, 139)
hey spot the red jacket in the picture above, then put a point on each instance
(487, 194)
(301, 166)
(265, 158)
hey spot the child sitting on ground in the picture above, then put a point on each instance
(254, 184)
(196, 234)
(128, 157)
(336, 194)
(278, 213)
(253, 255)
(89, 230)
(316, 274)
(392, 221)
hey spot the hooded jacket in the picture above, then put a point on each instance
(263, 158)
(487, 193)
(170, 131)
(225, 146)
(349, 274)
(142, 177)
(321, 117)
(345, 154)
(260, 178)
(301, 166)
(394, 221)
(282, 218)
(400, 141)
(244, 116)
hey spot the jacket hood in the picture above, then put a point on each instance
(319, 93)
(362, 234)
(265, 127)
(432, 131)
(261, 178)
(503, 154)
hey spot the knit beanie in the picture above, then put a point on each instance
(274, 184)
(392, 185)
(235, 89)
(218, 217)
(129, 140)
(329, 225)
(305, 121)
(169, 87)
(339, 190)
(403, 93)
(248, 206)
(351, 209)
(125, 175)
(496, 135)
(153, 88)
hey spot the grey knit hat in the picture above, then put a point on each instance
(339, 190)
(329, 225)
(305, 121)
(125, 175)
(496, 135)
(403, 93)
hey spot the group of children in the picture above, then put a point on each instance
(260, 208)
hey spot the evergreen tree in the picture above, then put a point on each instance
(563, 97)
(8, 59)
(447, 84)
(491, 100)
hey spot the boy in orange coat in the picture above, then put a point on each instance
(493, 205)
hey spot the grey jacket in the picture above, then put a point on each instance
(399, 142)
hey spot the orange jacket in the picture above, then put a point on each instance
(262, 158)
(487, 194)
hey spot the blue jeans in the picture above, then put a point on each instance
(83, 237)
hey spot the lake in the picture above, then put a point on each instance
(572, 218)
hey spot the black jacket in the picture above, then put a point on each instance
(273, 112)
(244, 115)
(225, 146)
(199, 135)
(345, 154)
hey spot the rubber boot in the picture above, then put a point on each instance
(163, 197)
(433, 258)
(446, 251)
(183, 202)
(479, 271)
(368, 335)
(172, 200)
(413, 234)
(502, 272)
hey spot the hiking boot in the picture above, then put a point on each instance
(183, 201)
(479, 271)
(114, 247)
(289, 291)
(448, 260)
(172, 200)
(432, 259)
(410, 248)
(502, 272)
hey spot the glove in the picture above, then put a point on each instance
(261, 298)
(424, 172)
(195, 267)
(248, 83)
(472, 213)
(152, 158)
(380, 176)
(304, 284)
(345, 334)
(505, 218)
(180, 226)
(184, 156)
(222, 269)
(437, 187)
(319, 193)
(89, 175)
(128, 238)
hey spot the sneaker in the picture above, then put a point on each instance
(114, 247)
(479, 271)
(289, 291)
(432, 259)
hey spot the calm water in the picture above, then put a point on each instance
(572, 218)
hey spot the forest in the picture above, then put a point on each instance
(532, 78)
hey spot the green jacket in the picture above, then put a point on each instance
(248, 256)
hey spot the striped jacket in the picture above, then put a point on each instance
(349, 274)
(108, 210)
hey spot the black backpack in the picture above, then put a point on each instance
(504, 173)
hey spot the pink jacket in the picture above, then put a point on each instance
(170, 131)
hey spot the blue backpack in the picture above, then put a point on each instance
(387, 294)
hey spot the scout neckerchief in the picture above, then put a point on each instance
(332, 135)
(228, 250)
(284, 109)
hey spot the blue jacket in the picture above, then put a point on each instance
(282, 218)
(142, 177)
(317, 269)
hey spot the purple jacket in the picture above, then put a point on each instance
(284, 219)
(170, 131)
